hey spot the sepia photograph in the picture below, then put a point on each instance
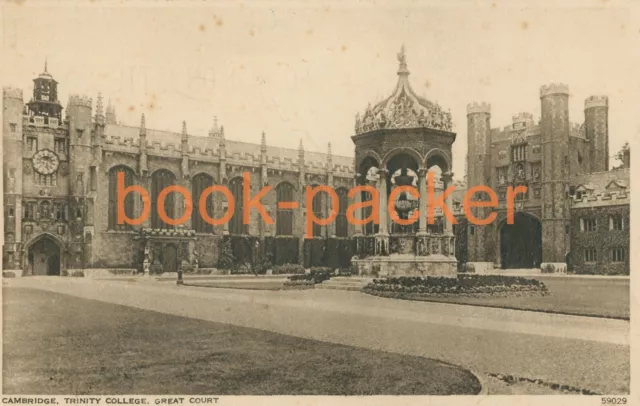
(212, 199)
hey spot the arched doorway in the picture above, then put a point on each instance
(170, 258)
(521, 242)
(43, 258)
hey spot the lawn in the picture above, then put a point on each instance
(58, 344)
(568, 295)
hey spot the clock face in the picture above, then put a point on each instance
(45, 162)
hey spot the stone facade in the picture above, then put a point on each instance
(63, 196)
(554, 159)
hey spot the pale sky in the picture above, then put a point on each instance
(303, 72)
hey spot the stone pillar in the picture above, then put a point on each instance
(382, 191)
(422, 189)
(382, 238)
(447, 178)
(358, 213)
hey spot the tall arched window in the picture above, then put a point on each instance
(342, 225)
(284, 217)
(236, 225)
(113, 197)
(199, 183)
(160, 180)
(316, 206)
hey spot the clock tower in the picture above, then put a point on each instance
(45, 97)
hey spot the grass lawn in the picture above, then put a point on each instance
(58, 344)
(568, 295)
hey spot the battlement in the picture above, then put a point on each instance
(554, 88)
(478, 107)
(9, 92)
(523, 117)
(596, 101)
(41, 121)
(78, 100)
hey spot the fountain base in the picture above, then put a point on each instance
(407, 265)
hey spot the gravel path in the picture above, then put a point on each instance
(579, 351)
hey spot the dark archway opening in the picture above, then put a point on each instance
(521, 242)
(44, 258)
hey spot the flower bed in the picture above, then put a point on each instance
(463, 285)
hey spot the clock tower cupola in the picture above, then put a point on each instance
(44, 102)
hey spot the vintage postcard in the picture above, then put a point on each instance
(224, 202)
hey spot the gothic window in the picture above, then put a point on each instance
(199, 184)
(284, 216)
(46, 180)
(236, 225)
(618, 254)
(316, 206)
(60, 211)
(161, 180)
(342, 225)
(32, 143)
(113, 197)
(588, 224)
(518, 153)
(615, 223)
(60, 146)
(590, 255)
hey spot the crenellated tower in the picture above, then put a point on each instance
(479, 174)
(554, 127)
(80, 124)
(12, 147)
(596, 123)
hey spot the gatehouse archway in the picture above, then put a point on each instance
(43, 257)
(521, 242)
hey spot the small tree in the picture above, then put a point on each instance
(226, 260)
(624, 156)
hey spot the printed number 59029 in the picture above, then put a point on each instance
(614, 401)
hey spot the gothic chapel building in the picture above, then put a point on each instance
(60, 176)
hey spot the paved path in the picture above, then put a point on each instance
(580, 351)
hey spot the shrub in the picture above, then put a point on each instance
(8, 274)
(548, 268)
(77, 274)
(287, 269)
(262, 264)
(318, 274)
(301, 284)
